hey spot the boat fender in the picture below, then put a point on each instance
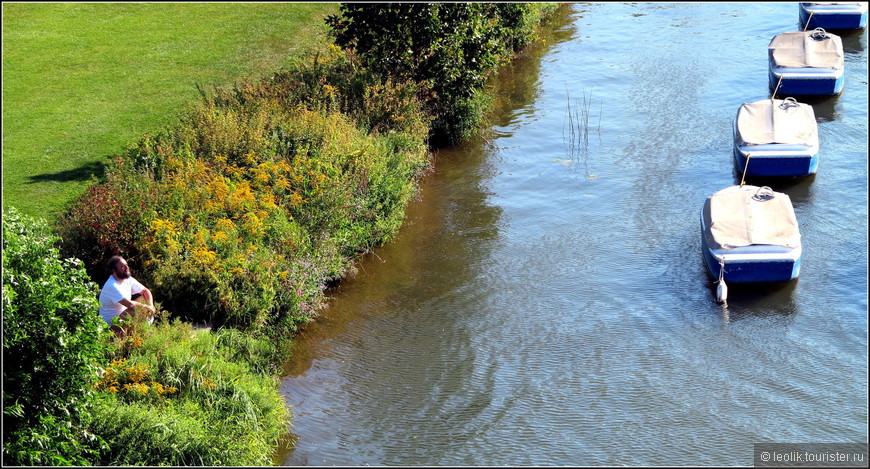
(722, 288)
(722, 292)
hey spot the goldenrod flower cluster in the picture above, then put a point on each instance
(132, 379)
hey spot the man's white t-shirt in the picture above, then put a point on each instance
(113, 292)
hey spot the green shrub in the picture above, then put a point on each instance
(257, 198)
(51, 342)
(110, 224)
(142, 434)
(447, 49)
(174, 395)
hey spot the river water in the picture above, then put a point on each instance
(546, 302)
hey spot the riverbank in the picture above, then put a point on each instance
(239, 214)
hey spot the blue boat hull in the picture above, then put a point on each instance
(805, 82)
(775, 164)
(833, 16)
(752, 264)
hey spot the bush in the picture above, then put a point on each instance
(447, 49)
(173, 395)
(335, 82)
(243, 211)
(51, 343)
(110, 224)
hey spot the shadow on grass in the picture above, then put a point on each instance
(94, 169)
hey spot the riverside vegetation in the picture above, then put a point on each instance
(238, 214)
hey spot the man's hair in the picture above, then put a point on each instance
(112, 262)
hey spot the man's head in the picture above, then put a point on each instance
(117, 266)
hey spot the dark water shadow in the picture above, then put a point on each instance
(779, 183)
(798, 188)
(772, 301)
(824, 106)
(853, 39)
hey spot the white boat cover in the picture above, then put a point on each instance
(746, 215)
(809, 5)
(798, 49)
(777, 121)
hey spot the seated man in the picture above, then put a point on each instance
(116, 298)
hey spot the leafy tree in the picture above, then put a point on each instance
(51, 344)
(448, 48)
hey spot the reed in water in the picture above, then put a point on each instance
(576, 129)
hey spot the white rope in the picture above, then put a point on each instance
(764, 193)
(788, 102)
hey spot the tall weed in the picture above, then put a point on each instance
(257, 198)
(175, 395)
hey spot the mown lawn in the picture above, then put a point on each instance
(81, 81)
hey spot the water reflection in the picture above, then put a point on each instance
(854, 41)
(799, 189)
(772, 301)
(530, 315)
(428, 279)
(825, 108)
(448, 241)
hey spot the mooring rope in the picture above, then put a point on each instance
(745, 168)
(808, 20)
(777, 87)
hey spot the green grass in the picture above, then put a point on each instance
(81, 81)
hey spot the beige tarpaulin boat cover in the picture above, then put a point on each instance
(777, 121)
(811, 4)
(798, 49)
(746, 215)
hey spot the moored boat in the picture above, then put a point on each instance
(750, 234)
(833, 15)
(806, 63)
(776, 137)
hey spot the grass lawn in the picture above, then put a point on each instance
(81, 81)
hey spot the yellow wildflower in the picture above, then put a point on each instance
(295, 199)
(140, 388)
(225, 224)
(204, 255)
(252, 224)
(137, 373)
(220, 237)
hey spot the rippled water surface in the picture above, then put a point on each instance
(546, 302)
